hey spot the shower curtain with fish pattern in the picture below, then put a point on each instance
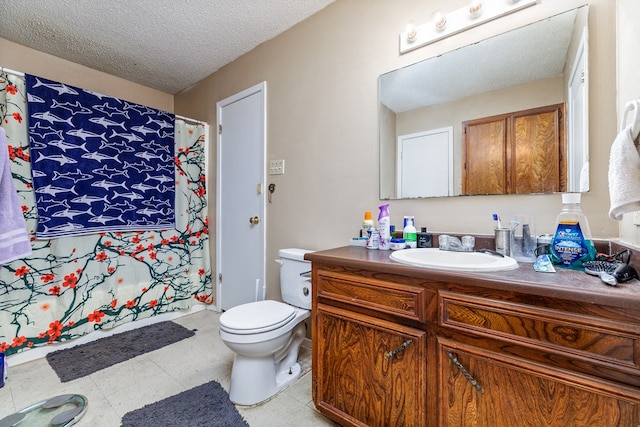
(72, 286)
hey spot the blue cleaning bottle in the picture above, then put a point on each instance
(572, 244)
(384, 227)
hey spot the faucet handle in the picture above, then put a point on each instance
(443, 242)
(468, 243)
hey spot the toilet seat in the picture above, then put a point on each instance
(256, 317)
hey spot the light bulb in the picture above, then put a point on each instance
(475, 8)
(411, 31)
(439, 21)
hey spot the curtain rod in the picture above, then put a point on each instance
(186, 119)
(8, 71)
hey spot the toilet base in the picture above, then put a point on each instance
(285, 378)
(254, 380)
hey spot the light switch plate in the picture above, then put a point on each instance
(276, 167)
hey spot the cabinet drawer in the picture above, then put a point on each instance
(556, 331)
(398, 299)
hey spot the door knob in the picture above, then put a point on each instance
(254, 220)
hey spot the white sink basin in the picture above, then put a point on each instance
(453, 261)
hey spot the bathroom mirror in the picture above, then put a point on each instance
(422, 107)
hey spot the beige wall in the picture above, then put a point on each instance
(23, 59)
(323, 120)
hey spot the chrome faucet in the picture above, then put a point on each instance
(452, 243)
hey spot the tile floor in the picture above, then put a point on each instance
(153, 376)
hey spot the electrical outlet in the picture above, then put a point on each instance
(276, 167)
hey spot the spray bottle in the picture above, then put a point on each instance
(367, 225)
(384, 223)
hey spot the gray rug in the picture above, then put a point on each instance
(203, 406)
(85, 359)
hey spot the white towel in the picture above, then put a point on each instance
(584, 177)
(14, 241)
(624, 175)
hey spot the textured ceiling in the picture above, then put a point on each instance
(533, 52)
(165, 44)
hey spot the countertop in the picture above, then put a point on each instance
(564, 283)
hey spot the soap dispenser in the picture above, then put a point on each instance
(409, 233)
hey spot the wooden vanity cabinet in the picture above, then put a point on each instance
(369, 367)
(400, 346)
(509, 391)
(370, 370)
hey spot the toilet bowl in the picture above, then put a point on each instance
(266, 335)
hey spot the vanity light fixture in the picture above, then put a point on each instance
(444, 25)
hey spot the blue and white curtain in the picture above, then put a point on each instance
(71, 286)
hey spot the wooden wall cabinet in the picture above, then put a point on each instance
(402, 346)
(515, 153)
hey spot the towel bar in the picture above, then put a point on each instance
(635, 124)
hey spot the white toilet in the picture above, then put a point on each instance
(266, 335)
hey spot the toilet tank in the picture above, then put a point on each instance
(296, 289)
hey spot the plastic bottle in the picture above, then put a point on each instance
(424, 238)
(384, 223)
(409, 233)
(373, 242)
(572, 244)
(367, 225)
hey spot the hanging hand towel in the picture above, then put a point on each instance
(14, 241)
(624, 175)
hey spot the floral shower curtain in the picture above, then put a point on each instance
(71, 286)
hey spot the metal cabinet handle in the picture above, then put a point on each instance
(398, 349)
(254, 220)
(465, 373)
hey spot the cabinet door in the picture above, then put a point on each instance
(485, 161)
(537, 147)
(515, 153)
(482, 388)
(368, 372)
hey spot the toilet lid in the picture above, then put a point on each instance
(256, 317)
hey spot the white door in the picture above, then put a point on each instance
(425, 164)
(578, 122)
(240, 235)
